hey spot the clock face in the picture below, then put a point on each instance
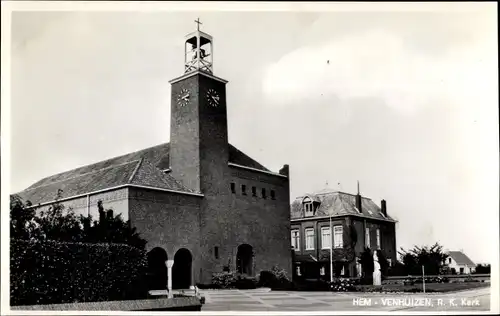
(213, 97)
(183, 97)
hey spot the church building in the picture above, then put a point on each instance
(197, 199)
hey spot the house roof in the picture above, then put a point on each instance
(460, 258)
(335, 203)
(144, 167)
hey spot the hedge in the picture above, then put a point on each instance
(53, 272)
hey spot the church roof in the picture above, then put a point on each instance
(144, 167)
(335, 203)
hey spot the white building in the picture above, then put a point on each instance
(460, 262)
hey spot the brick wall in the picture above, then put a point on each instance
(168, 220)
(117, 200)
(260, 221)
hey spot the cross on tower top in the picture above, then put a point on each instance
(198, 22)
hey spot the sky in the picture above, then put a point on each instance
(404, 101)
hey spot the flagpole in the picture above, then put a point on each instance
(331, 250)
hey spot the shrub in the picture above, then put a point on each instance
(342, 285)
(52, 272)
(267, 279)
(224, 280)
(245, 283)
(275, 279)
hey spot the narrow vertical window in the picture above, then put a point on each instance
(367, 237)
(233, 187)
(296, 239)
(378, 238)
(254, 191)
(273, 195)
(263, 193)
(243, 189)
(326, 238)
(310, 239)
(216, 252)
(338, 241)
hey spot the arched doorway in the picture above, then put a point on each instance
(244, 259)
(157, 269)
(181, 271)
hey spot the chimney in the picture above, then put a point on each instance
(384, 207)
(285, 170)
(358, 201)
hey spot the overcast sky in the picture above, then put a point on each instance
(404, 102)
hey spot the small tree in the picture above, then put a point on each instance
(483, 269)
(432, 258)
(58, 223)
(110, 228)
(22, 225)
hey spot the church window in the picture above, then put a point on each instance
(216, 252)
(296, 239)
(338, 241)
(273, 195)
(389, 262)
(243, 189)
(263, 193)
(309, 239)
(254, 191)
(233, 187)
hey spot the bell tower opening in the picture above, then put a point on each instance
(198, 51)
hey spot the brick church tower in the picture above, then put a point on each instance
(236, 212)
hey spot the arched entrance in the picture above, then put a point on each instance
(244, 259)
(181, 271)
(157, 269)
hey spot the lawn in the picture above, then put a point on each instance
(429, 287)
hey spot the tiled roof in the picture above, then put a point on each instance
(139, 172)
(337, 203)
(460, 258)
(238, 157)
(143, 167)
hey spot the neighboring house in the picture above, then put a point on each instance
(197, 200)
(356, 222)
(460, 263)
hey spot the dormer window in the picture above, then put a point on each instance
(308, 207)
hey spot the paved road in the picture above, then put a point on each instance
(262, 300)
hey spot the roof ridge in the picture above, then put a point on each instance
(135, 171)
(80, 175)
